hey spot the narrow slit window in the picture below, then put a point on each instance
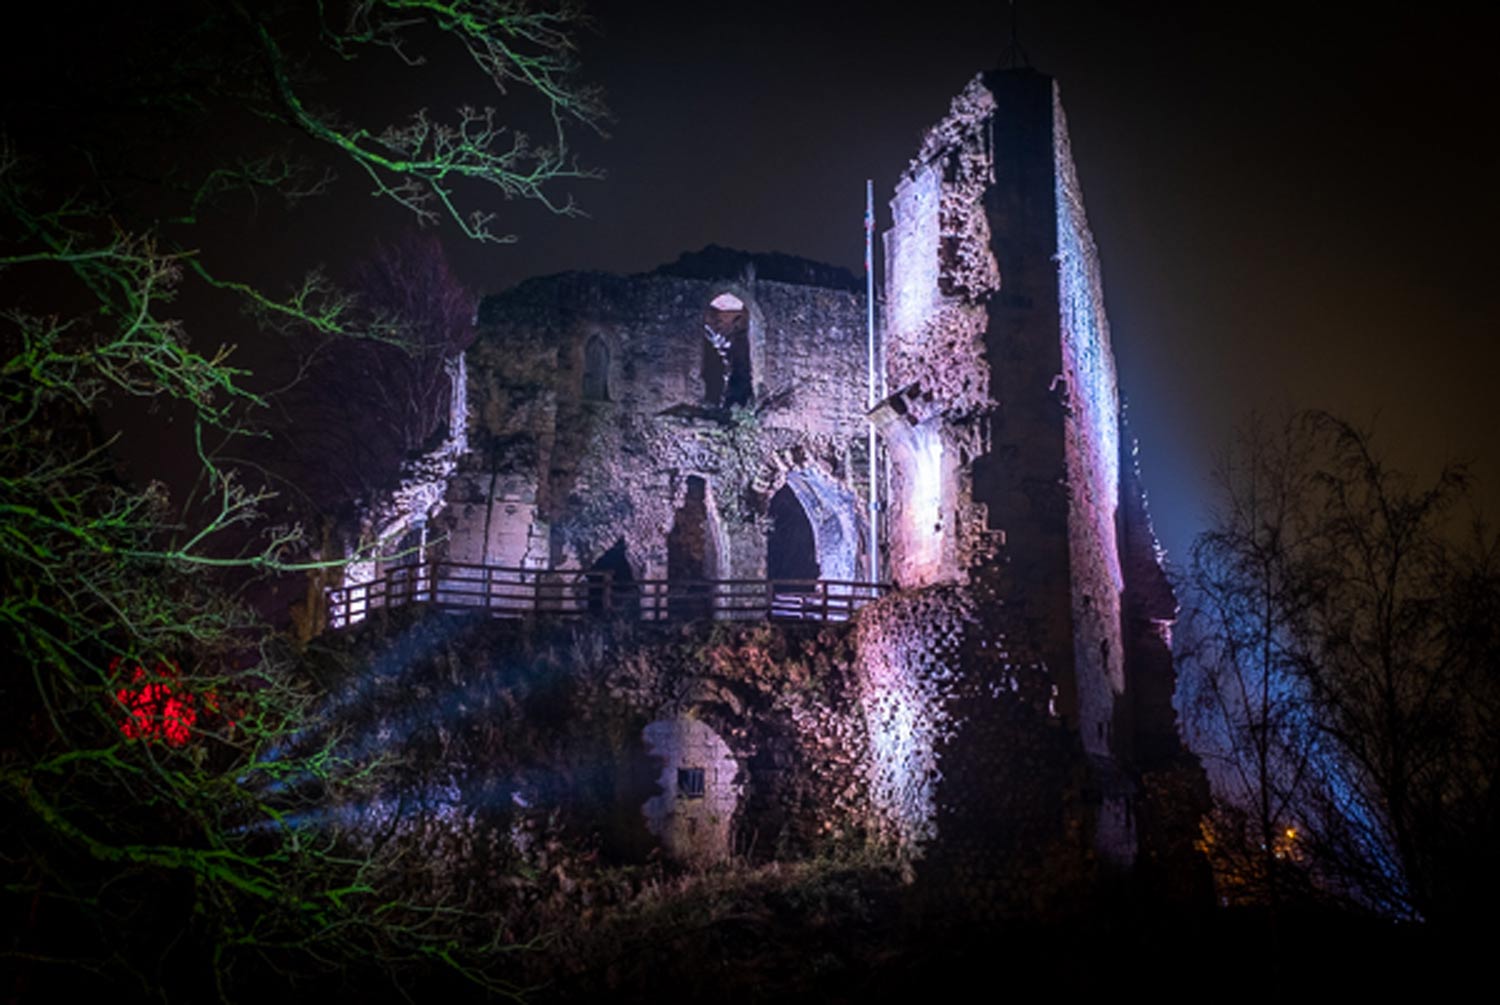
(595, 370)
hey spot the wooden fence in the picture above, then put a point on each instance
(503, 591)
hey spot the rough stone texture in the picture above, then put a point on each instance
(1003, 720)
(570, 477)
(504, 729)
(908, 647)
(1092, 437)
(1005, 434)
(940, 274)
(693, 826)
(786, 702)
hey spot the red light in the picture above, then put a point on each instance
(157, 706)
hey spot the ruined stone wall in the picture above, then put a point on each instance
(921, 730)
(1022, 475)
(512, 728)
(785, 702)
(972, 775)
(1092, 440)
(908, 647)
(392, 524)
(548, 463)
(940, 269)
(1172, 792)
(940, 273)
(998, 347)
(493, 513)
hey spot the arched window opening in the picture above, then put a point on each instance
(595, 370)
(791, 547)
(726, 353)
(691, 559)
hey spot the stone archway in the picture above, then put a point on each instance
(791, 546)
(832, 512)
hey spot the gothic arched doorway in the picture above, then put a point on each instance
(791, 548)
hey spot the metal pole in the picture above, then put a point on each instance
(870, 361)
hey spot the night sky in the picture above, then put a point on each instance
(1293, 209)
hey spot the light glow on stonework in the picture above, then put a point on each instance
(1088, 362)
(926, 500)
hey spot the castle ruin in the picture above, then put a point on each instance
(692, 446)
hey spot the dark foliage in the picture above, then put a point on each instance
(150, 782)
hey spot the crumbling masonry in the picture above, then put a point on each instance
(1008, 703)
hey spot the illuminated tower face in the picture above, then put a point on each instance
(1003, 425)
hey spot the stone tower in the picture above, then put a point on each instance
(1014, 501)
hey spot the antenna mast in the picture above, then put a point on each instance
(874, 389)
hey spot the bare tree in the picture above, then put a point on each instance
(363, 406)
(1251, 718)
(1384, 662)
(152, 781)
(1345, 667)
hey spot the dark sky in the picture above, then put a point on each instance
(1292, 208)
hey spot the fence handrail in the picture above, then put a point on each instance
(517, 591)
